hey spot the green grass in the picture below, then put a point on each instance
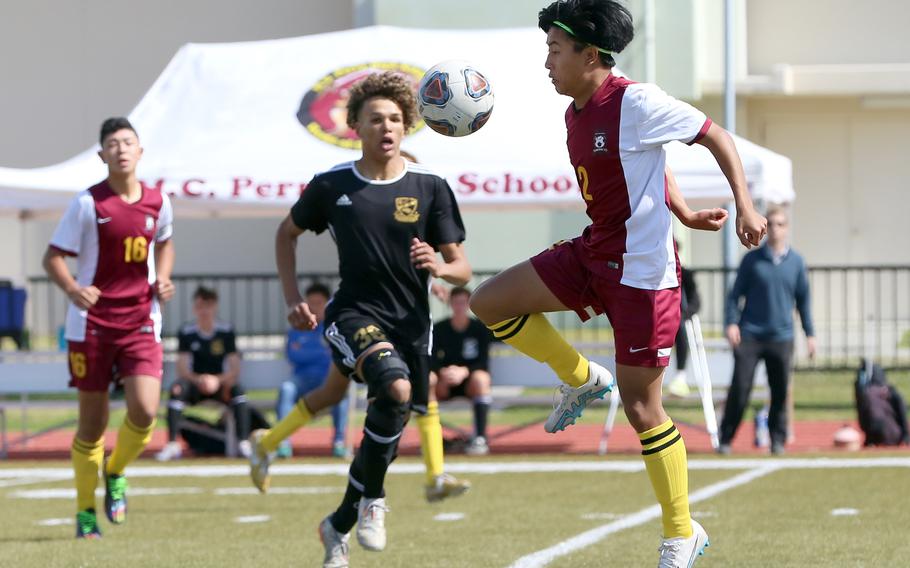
(782, 519)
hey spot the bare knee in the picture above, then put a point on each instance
(479, 384)
(400, 390)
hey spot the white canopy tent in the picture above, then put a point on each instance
(244, 126)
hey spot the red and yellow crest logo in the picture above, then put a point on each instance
(323, 110)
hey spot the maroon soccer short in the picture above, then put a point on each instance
(106, 354)
(644, 321)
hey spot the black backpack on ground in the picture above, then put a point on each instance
(881, 409)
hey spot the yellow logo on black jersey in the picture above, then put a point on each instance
(406, 210)
(217, 347)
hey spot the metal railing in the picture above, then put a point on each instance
(858, 311)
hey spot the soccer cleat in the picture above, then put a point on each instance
(245, 449)
(115, 487)
(445, 486)
(170, 451)
(87, 525)
(371, 523)
(478, 447)
(679, 386)
(259, 462)
(683, 552)
(340, 450)
(284, 450)
(335, 544)
(572, 401)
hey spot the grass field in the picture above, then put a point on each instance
(764, 512)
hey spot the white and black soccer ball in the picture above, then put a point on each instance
(454, 98)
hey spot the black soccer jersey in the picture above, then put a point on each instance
(207, 351)
(373, 222)
(467, 348)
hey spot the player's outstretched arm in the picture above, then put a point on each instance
(703, 219)
(455, 268)
(750, 226)
(55, 266)
(299, 314)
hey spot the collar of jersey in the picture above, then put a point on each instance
(361, 177)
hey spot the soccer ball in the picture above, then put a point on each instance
(454, 98)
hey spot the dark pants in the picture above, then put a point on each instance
(777, 356)
(682, 346)
(184, 393)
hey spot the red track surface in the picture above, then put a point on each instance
(582, 439)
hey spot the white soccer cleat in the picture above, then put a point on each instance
(245, 448)
(679, 386)
(683, 552)
(478, 447)
(445, 486)
(259, 462)
(335, 544)
(572, 401)
(170, 451)
(371, 523)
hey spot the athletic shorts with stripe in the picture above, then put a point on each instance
(644, 321)
(109, 354)
(350, 334)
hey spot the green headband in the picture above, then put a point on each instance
(569, 31)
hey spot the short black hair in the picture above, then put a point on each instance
(205, 294)
(114, 124)
(606, 24)
(318, 288)
(459, 290)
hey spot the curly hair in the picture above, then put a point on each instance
(386, 85)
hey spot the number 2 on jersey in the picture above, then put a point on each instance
(583, 181)
(136, 249)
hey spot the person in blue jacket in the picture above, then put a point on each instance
(309, 354)
(770, 282)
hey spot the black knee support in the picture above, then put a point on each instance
(383, 366)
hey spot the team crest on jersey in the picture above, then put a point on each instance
(217, 347)
(149, 223)
(600, 142)
(406, 210)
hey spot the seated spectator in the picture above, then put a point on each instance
(310, 356)
(461, 350)
(208, 366)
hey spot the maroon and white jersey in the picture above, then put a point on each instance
(616, 147)
(114, 242)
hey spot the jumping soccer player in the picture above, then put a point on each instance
(624, 264)
(120, 231)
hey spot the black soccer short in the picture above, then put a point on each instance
(351, 334)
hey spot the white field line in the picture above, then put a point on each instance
(482, 468)
(587, 538)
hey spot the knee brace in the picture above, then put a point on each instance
(381, 367)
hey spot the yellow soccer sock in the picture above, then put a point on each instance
(430, 429)
(533, 335)
(665, 459)
(131, 440)
(297, 418)
(87, 458)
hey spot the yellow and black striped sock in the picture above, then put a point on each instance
(430, 429)
(297, 418)
(131, 440)
(533, 335)
(87, 458)
(664, 453)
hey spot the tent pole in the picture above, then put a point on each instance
(730, 240)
